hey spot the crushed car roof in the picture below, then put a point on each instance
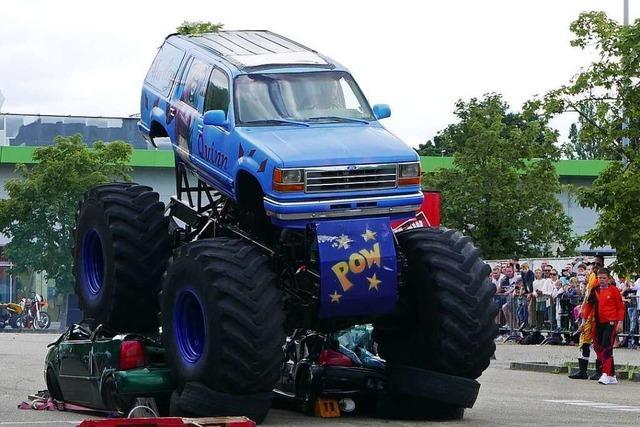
(258, 48)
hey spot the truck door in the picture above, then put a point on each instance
(214, 146)
(186, 105)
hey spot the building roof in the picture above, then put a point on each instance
(258, 48)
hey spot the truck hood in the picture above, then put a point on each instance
(330, 145)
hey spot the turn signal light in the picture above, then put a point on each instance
(131, 355)
(409, 181)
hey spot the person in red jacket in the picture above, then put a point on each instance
(605, 303)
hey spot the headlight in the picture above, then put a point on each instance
(288, 179)
(409, 174)
(408, 170)
(292, 176)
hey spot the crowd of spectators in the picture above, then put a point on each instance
(544, 298)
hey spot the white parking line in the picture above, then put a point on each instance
(598, 405)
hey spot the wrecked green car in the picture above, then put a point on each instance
(97, 369)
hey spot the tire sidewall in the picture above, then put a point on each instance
(186, 275)
(92, 218)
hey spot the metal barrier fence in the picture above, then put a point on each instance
(525, 313)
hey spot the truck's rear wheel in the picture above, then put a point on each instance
(445, 316)
(222, 318)
(121, 250)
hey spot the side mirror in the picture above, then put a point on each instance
(381, 111)
(215, 118)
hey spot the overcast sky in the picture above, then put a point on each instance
(89, 58)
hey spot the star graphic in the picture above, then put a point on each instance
(343, 241)
(335, 296)
(373, 282)
(369, 235)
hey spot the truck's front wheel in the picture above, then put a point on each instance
(445, 316)
(222, 319)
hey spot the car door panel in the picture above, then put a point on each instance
(75, 371)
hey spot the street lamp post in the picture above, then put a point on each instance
(625, 120)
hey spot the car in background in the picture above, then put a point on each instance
(98, 369)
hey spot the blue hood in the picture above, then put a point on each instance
(329, 145)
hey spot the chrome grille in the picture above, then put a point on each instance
(350, 178)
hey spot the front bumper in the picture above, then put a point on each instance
(343, 208)
(340, 381)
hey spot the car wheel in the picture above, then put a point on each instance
(114, 401)
(53, 386)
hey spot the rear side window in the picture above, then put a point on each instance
(164, 68)
(217, 97)
(194, 83)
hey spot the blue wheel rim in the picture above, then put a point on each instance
(190, 328)
(92, 264)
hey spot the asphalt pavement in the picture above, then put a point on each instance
(506, 397)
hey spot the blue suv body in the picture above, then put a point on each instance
(257, 115)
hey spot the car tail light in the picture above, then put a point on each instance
(334, 358)
(131, 355)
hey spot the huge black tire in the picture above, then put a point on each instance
(197, 400)
(222, 317)
(445, 316)
(121, 250)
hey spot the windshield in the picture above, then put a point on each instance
(270, 99)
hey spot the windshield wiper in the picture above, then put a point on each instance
(275, 122)
(339, 119)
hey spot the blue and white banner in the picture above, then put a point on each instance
(357, 267)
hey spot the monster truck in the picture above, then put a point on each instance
(287, 184)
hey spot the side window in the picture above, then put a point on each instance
(217, 97)
(194, 83)
(164, 68)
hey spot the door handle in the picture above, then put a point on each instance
(172, 111)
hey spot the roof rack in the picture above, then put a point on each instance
(259, 49)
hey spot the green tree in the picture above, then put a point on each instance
(198, 27)
(605, 94)
(439, 146)
(503, 186)
(39, 214)
(583, 144)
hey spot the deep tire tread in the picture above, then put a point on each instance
(448, 279)
(139, 231)
(250, 315)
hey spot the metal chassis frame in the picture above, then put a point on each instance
(210, 208)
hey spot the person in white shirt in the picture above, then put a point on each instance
(557, 294)
(537, 285)
(495, 277)
(540, 302)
